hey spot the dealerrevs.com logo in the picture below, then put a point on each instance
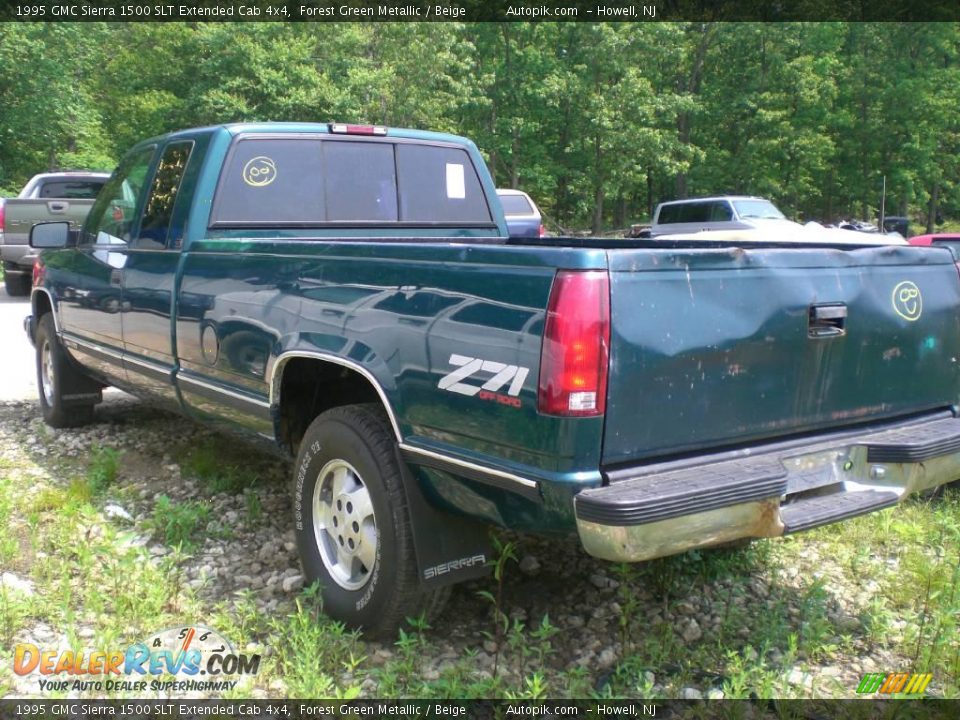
(198, 658)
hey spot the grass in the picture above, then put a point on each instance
(773, 616)
(180, 524)
(220, 466)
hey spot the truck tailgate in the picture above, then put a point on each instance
(23, 214)
(718, 347)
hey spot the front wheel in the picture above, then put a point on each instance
(352, 522)
(67, 396)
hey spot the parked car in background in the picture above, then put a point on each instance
(896, 223)
(727, 212)
(523, 215)
(48, 196)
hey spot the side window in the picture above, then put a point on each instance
(114, 214)
(155, 225)
(720, 212)
(697, 212)
(669, 214)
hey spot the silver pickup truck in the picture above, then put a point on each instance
(48, 196)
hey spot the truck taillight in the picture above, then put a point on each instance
(38, 271)
(345, 129)
(3, 218)
(576, 345)
(542, 230)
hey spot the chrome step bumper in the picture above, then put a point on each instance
(765, 491)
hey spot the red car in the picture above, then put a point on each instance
(945, 239)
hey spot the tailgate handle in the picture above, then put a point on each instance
(58, 207)
(827, 320)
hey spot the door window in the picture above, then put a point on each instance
(155, 227)
(114, 214)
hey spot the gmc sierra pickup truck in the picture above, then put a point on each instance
(349, 295)
(48, 196)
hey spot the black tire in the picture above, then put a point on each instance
(17, 285)
(370, 582)
(67, 396)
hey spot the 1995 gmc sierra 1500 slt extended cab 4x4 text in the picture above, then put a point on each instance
(350, 296)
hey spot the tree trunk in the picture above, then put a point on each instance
(693, 83)
(598, 210)
(620, 212)
(933, 207)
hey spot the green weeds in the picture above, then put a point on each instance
(215, 463)
(180, 524)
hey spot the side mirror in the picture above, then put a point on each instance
(49, 235)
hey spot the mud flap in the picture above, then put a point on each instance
(450, 548)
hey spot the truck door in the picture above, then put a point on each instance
(150, 274)
(92, 294)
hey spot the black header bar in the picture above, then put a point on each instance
(478, 10)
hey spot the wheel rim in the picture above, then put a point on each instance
(46, 372)
(344, 524)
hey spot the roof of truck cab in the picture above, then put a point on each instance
(713, 198)
(235, 129)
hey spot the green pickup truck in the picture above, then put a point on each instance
(350, 296)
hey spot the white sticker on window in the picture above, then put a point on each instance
(456, 186)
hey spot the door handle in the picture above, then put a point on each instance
(827, 320)
(116, 278)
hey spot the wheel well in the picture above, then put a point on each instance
(41, 305)
(309, 387)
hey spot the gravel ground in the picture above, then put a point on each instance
(580, 594)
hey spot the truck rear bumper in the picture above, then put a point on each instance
(18, 259)
(765, 491)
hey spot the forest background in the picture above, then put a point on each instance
(598, 122)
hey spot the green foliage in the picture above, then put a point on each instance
(180, 524)
(598, 121)
(215, 463)
(314, 651)
(103, 468)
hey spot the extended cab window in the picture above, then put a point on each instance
(114, 213)
(155, 226)
(312, 181)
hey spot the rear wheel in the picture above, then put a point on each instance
(67, 396)
(352, 523)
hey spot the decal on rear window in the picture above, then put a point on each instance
(259, 171)
(456, 184)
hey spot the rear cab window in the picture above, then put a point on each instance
(315, 181)
(71, 189)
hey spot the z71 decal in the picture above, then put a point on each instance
(502, 374)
